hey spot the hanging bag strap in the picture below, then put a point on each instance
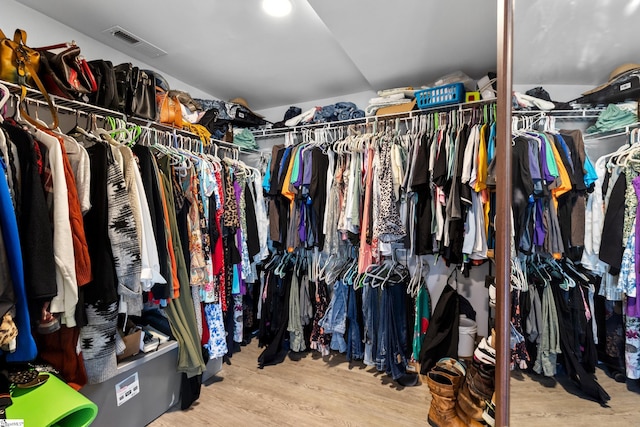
(23, 66)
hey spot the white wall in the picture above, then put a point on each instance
(361, 99)
(43, 31)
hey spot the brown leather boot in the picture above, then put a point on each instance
(469, 408)
(481, 380)
(442, 412)
(453, 370)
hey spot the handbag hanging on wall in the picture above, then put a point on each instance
(19, 64)
(65, 72)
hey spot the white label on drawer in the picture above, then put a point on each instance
(625, 86)
(127, 388)
(11, 423)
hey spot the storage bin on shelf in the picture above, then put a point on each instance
(440, 95)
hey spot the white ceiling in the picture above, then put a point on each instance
(328, 48)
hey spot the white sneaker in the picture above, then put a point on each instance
(485, 353)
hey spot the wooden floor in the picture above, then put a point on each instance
(329, 392)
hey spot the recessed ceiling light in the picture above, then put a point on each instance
(277, 8)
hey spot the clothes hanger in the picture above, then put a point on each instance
(273, 261)
(453, 273)
(5, 97)
(417, 280)
(323, 267)
(542, 274)
(341, 264)
(115, 134)
(518, 279)
(567, 281)
(284, 264)
(35, 124)
(372, 273)
(17, 117)
(399, 272)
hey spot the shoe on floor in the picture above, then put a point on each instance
(485, 353)
(489, 413)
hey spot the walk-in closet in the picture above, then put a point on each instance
(312, 212)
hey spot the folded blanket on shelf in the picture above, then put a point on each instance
(385, 99)
(373, 108)
(387, 92)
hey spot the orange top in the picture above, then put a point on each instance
(80, 247)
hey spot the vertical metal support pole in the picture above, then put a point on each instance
(503, 209)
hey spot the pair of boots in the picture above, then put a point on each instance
(458, 396)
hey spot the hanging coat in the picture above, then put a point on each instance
(441, 339)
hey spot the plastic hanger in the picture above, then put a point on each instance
(417, 280)
(5, 97)
(518, 278)
(274, 261)
(35, 124)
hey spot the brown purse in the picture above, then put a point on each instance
(19, 64)
(170, 111)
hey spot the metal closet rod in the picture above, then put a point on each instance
(155, 126)
(134, 121)
(463, 106)
(63, 108)
(612, 133)
(59, 102)
(577, 114)
(240, 149)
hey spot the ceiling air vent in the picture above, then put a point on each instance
(135, 42)
(125, 37)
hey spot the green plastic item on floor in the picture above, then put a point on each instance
(52, 404)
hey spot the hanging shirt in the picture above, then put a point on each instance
(66, 299)
(365, 256)
(25, 345)
(627, 280)
(563, 181)
(198, 268)
(390, 227)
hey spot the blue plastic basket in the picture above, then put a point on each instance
(440, 95)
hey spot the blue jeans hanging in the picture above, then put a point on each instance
(354, 338)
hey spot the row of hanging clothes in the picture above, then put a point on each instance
(342, 203)
(569, 281)
(104, 222)
(610, 251)
(552, 175)
(553, 307)
(423, 186)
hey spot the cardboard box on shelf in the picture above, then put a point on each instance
(132, 343)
